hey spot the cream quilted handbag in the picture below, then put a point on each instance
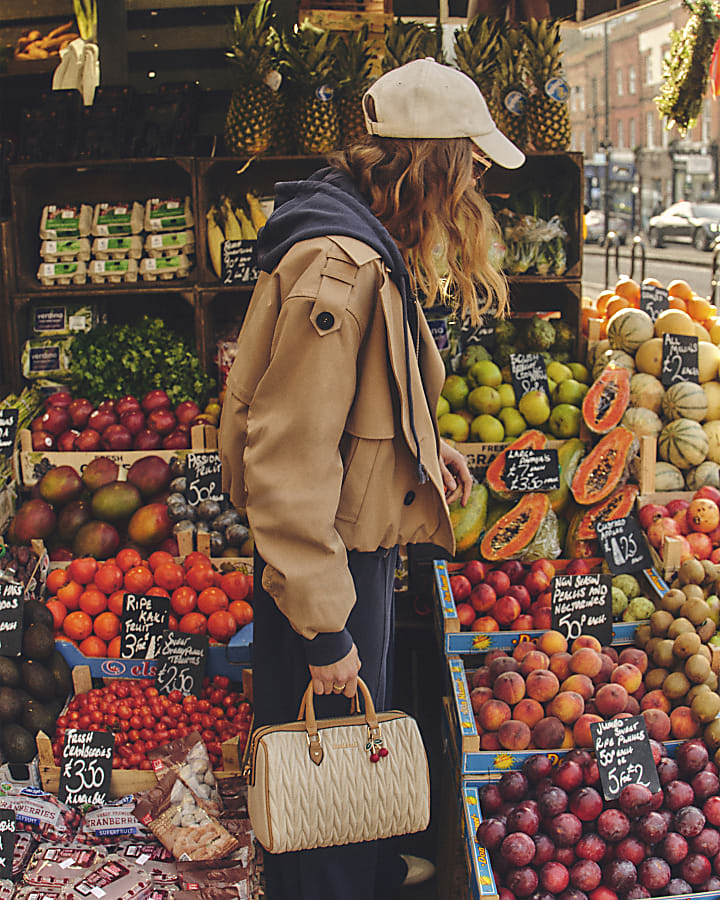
(337, 781)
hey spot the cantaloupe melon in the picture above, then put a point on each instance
(596, 349)
(712, 392)
(685, 400)
(674, 321)
(642, 422)
(702, 333)
(646, 392)
(667, 477)
(649, 357)
(712, 433)
(683, 443)
(704, 474)
(613, 357)
(629, 328)
(708, 361)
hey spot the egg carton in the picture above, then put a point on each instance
(65, 222)
(65, 250)
(170, 243)
(113, 271)
(52, 273)
(117, 247)
(168, 215)
(117, 219)
(164, 269)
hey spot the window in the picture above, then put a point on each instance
(650, 129)
(619, 82)
(649, 71)
(620, 142)
(632, 143)
(632, 81)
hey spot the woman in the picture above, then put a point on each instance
(328, 434)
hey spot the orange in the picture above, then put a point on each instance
(700, 309)
(113, 650)
(629, 289)
(159, 558)
(222, 626)
(69, 594)
(77, 625)
(211, 600)
(56, 578)
(93, 646)
(169, 575)
(680, 288)
(107, 626)
(242, 612)
(92, 601)
(236, 585)
(138, 579)
(652, 281)
(615, 305)
(115, 602)
(58, 611)
(200, 577)
(109, 578)
(677, 303)
(128, 558)
(602, 300)
(193, 623)
(196, 558)
(83, 570)
(184, 600)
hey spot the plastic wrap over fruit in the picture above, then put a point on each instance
(546, 543)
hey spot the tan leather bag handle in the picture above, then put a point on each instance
(307, 708)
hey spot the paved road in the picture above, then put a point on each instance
(675, 261)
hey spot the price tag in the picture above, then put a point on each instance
(582, 604)
(11, 618)
(679, 359)
(7, 842)
(528, 373)
(203, 473)
(238, 262)
(624, 755)
(483, 333)
(181, 660)
(143, 619)
(624, 545)
(532, 470)
(653, 300)
(86, 767)
(8, 430)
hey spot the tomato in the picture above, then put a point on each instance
(230, 711)
(146, 734)
(203, 705)
(216, 697)
(134, 760)
(175, 697)
(84, 722)
(133, 735)
(123, 689)
(152, 692)
(218, 712)
(96, 716)
(221, 681)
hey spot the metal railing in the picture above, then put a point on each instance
(611, 243)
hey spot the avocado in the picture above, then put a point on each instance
(36, 613)
(18, 745)
(10, 705)
(9, 672)
(39, 718)
(55, 706)
(36, 679)
(62, 673)
(38, 643)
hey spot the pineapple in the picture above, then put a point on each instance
(511, 105)
(548, 119)
(406, 41)
(249, 121)
(476, 54)
(307, 61)
(353, 69)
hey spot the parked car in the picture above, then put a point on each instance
(595, 225)
(694, 223)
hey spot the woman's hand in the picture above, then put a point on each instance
(339, 677)
(454, 468)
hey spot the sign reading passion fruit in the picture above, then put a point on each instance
(582, 604)
(624, 755)
(528, 373)
(203, 472)
(679, 359)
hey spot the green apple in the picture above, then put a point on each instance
(570, 391)
(487, 429)
(565, 421)
(455, 391)
(579, 372)
(453, 426)
(507, 395)
(535, 407)
(442, 407)
(513, 422)
(485, 373)
(559, 372)
(484, 401)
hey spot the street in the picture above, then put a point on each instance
(673, 261)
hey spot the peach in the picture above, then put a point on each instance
(529, 711)
(489, 741)
(502, 664)
(542, 685)
(656, 700)
(548, 734)
(543, 600)
(560, 665)
(509, 687)
(581, 729)
(611, 652)
(514, 735)
(480, 677)
(534, 660)
(543, 565)
(632, 706)
(581, 684)
(635, 657)
(611, 699)
(492, 655)
(525, 622)
(684, 723)
(628, 675)
(552, 642)
(658, 724)
(567, 706)
(542, 619)
(480, 696)
(484, 625)
(569, 740)
(492, 714)
(586, 640)
(606, 670)
(586, 661)
(522, 648)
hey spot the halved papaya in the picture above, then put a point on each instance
(606, 401)
(495, 476)
(468, 521)
(619, 504)
(513, 532)
(604, 467)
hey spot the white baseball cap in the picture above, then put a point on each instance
(424, 99)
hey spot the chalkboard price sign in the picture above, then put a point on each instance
(7, 842)
(528, 373)
(624, 545)
(582, 604)
(239, 265)
(624, 755)
(483, 333)
(11, 618)
(653, 300)
(532, 470)
(181, 660)
(86, 767)
(8, 430)
(143, 619)
(203, 473)
(679, 359)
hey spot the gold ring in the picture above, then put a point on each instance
(339, 688)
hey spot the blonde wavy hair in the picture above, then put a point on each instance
(425, 193)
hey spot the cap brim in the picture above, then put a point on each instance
(500, 149)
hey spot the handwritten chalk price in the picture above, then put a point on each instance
(624, 755)
(582, 604)
(86, 767)
(143, 620)
(7, 842)
(653, 300)
(528, 373)
(679, 359)
(203, 472)
(624, 545)
(181, 660)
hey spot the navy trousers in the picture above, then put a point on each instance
(363, 871)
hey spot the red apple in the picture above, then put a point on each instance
(80, 410)
(100, 419)
(176, 440)
(126, 405)
(708, 492)
(116, 437)
(88, 440)
(649, 513)
(466, 614)
(56, 420)
(107, 406)
(42, 440)
(460, 587)
(578, 567)
(155, 400)
(186, 412)
(147, 440)
(59, 398)
(474, 571)
(66, 441)
(162, 421)
(133, 420)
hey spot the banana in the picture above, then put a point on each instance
(256, 213)
(248, 231)
(233, 231)
(215, 241)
